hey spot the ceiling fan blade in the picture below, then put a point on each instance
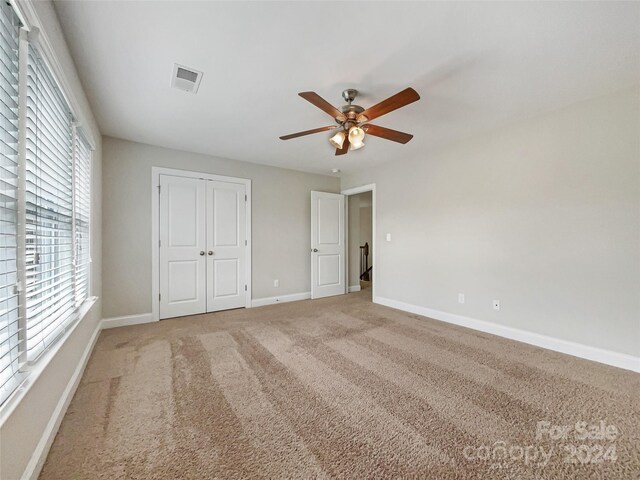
(308, 132)
(345, 147)
(387, 133)
(322, 104)
(401, 99)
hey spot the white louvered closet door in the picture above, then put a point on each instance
(9, 312)
(49, 208)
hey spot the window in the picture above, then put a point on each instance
(82, 212)
(49, 208)
(9, 315)
(45, 207)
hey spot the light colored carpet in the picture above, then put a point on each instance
(338, 388)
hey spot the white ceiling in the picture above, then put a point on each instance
(476, 66)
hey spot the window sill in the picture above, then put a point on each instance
(33, 371)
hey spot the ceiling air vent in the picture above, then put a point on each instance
(185, 78)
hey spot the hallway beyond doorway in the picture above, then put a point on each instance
(360, 240)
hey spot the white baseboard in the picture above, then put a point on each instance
(127, 320)
(354, 288)
(293, 297)
(41, 451)
(608, 357)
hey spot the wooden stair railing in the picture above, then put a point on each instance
(365, 269)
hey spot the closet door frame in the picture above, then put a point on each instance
(155, 229)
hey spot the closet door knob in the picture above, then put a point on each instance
(210, 252)
(201, 252)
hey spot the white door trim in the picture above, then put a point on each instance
(371, 187)
(155, 229)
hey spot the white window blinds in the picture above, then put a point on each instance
(9, 315)
(49, 208)
(45, 206)
(82, 214)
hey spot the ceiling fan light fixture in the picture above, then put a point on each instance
(338, 139)
(356, 145)
(356, 137)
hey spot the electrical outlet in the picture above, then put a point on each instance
(496, 304)
(388, 237)
(276, 283)
(461, 298)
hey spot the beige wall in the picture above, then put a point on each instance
(24, 427)
(543, 216)
(281, 221)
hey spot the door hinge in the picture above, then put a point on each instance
(245, 288)
(159, 243)
(158, 189)
(245, 198)
(159, 297)
(245, 243)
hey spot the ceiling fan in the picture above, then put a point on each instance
(352, 120)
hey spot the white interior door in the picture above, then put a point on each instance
(226, 245)
(182, 246)
(327, 245)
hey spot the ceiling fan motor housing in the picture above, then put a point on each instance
(349, 94)
(350, 111)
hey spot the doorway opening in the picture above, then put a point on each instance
(361, 240)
